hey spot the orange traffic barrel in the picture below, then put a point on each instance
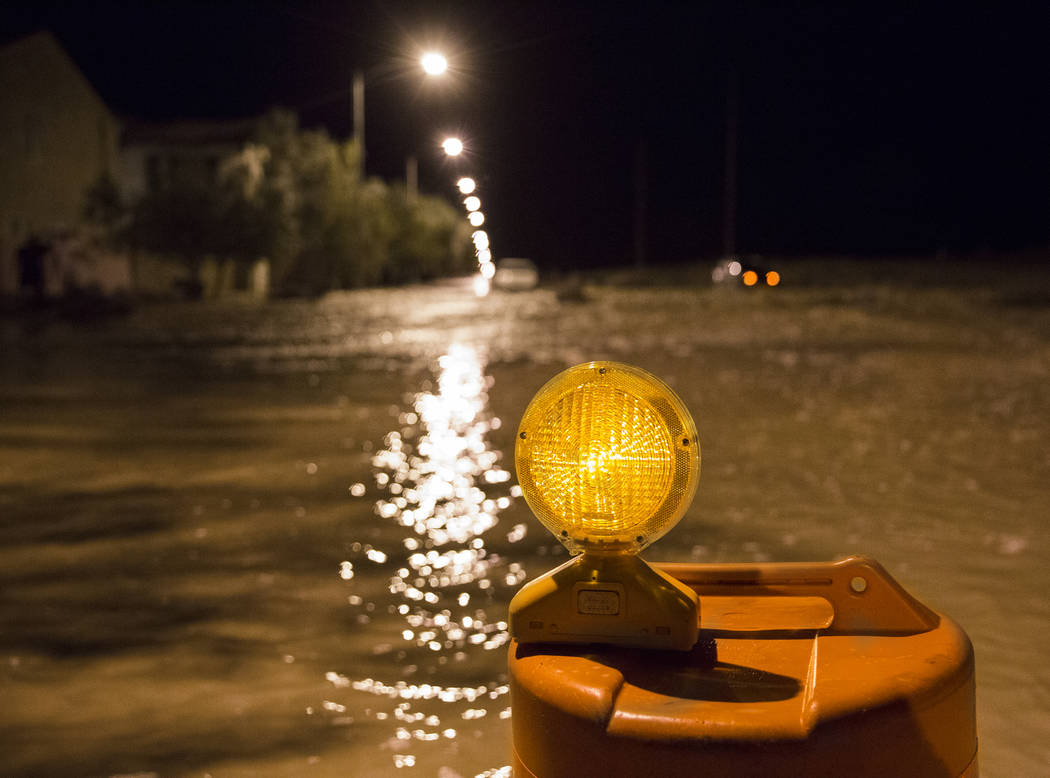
(827, 669)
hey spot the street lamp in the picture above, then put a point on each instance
(433, 64)
(466, 185)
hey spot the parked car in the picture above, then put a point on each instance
(745, 271)
(515, 274)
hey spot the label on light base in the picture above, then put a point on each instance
(598, 602)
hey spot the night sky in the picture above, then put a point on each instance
(876, 128)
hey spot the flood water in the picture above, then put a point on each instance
(279, 540)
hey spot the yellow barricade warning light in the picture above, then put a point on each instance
(608, 459)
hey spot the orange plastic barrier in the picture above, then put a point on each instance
(801, 670)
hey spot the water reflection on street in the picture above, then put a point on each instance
(442, 485)
(270, 540)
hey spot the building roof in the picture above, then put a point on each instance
(188, 132)
(41, 46)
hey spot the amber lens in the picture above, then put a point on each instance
(607, 453)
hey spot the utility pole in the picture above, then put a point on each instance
(729, 193)
(411, 177)
(640, 186)
(359, 119)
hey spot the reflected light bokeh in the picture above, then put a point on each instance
(750, 278)
(772, 278)
(481, 239)
(488, 270)
(442, 488)
(482, 286)
(484, 255)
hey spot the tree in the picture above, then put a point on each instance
(296, 197)
(183, 221)
(432, 239)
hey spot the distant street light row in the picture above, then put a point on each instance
(453, 147)
(434, 64)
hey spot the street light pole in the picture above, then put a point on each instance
(359, 119)
(640, 185)
(412, 177)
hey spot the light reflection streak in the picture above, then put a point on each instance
(443, 487)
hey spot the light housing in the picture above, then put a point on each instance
(452, 146)
(608, 459)
(434, 63)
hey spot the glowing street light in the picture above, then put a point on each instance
(452, 146)
(434, 63)
(476, 218)
(466, 185)
(481, 239)
(484, 255)
(472, 203)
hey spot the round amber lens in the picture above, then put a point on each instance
(607, 454)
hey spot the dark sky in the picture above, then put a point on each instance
(877, 127)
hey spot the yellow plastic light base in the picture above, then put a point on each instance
(618, 600)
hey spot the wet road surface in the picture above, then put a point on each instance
(279, 540)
